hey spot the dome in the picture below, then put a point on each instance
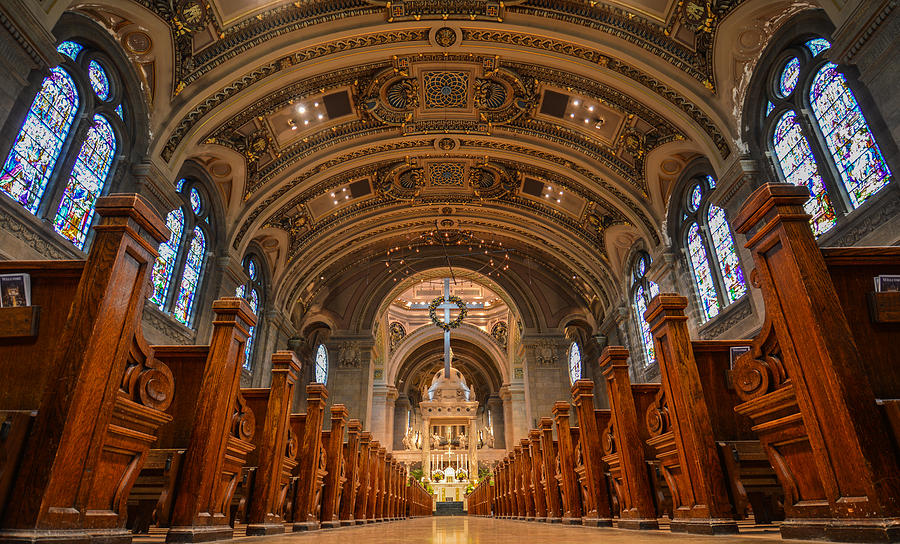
(454, 387)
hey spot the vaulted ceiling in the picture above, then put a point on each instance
(340, 130)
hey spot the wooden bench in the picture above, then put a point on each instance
(333, 442)
(597, 503)
(550, 482)
(360, 515)
(352, 473)
(814, 375)
(82, 396)
(209, 437)
(565, 474)
(271, 463)
(309, 474)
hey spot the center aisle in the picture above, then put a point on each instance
(472, 530)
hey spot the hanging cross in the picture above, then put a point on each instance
(447, 306)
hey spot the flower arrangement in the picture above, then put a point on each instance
(437, 476)
(461, 474)
(432, 312)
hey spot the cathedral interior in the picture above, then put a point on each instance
(445, 210)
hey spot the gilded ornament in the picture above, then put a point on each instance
(455, 323)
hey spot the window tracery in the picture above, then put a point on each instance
(643, 290)
(709, 247)
(178, 271)
(819, 136)
(574, 362)
(33, 171)
(321, 368)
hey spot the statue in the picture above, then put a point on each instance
(463, 441)
(408, 440)
(435, 440)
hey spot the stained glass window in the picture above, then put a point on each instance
(248, 347)
(851, 143)
(251, 269)
(817, 45)
(76, 209)
(723, 247)
(190, 277)
(799, 167)
(165, 263)
(640, 306)
(119, 112)
(711, 181)
(769, 107)
(36, 150)
(70, 49)
(574, 362)
(321, 370)
(789, 77)
(696, 197)
(99, 80)
(180, 184)
(703, 278)
(196, 202)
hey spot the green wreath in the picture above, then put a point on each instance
(432, 312)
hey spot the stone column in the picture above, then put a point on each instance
(399, 421)
(515, 418)
(349, 358)
(495, 405)
(383, 398)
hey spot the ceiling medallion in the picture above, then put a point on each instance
(445, 36)
(446, 89)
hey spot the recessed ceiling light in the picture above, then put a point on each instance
(587, 121)
(316, 104)
(301, 108)
(321, 116)
(335, 202)
(557, 201)
(306, 122)
(591, 108)
(571, 115)
(576, 102)
(332, 195)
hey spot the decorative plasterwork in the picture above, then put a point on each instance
(263, 72)
(401, 65)
(227, 43)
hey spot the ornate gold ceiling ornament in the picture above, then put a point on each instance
(697, 15)
(408, 10)
(445, 36)
(463, 94)
(402, 181)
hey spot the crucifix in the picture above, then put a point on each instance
(447, 306)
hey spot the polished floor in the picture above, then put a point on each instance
(471, 530)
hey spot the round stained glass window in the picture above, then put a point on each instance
(321, 369)
(696, 197)
(789, 77)
(196, 202)
(574, 362)
(99, 80)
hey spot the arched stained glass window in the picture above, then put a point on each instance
(190, 279)
(822, 121)
(723, 247)
(574, 362)
(799, 167)
(70, 49)
(643, 291)
(851, 143)
(86, 182)
(789, 77)
(99, 80)
(251, 290)
(196, 203)
(709, 248)
(321, 368)
(34, 154)
(703, 278)
(164, 266)
(178, 271)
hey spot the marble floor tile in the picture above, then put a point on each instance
(472, 530)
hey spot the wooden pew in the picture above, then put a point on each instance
(309, 475)
(625, 449)
(682, 428)
(814, 376)
(537, 475)
(550, 482)
(81, 395)
(515, 482)
(352, 468)
(372, 499)
(524, 469)
(597, 510)
(360, 515)
(209, 437)
(568, 482)
(333, 441)
(274, 458)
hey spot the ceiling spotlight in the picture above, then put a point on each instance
(576, 102)
(560, 193)
(335, 202)
(301, 108)
(316, 104)
(586, 120)
(306, 121)
(590, 108)
(332, 195)
(557, 201)
(321, 116)
(571, 115)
